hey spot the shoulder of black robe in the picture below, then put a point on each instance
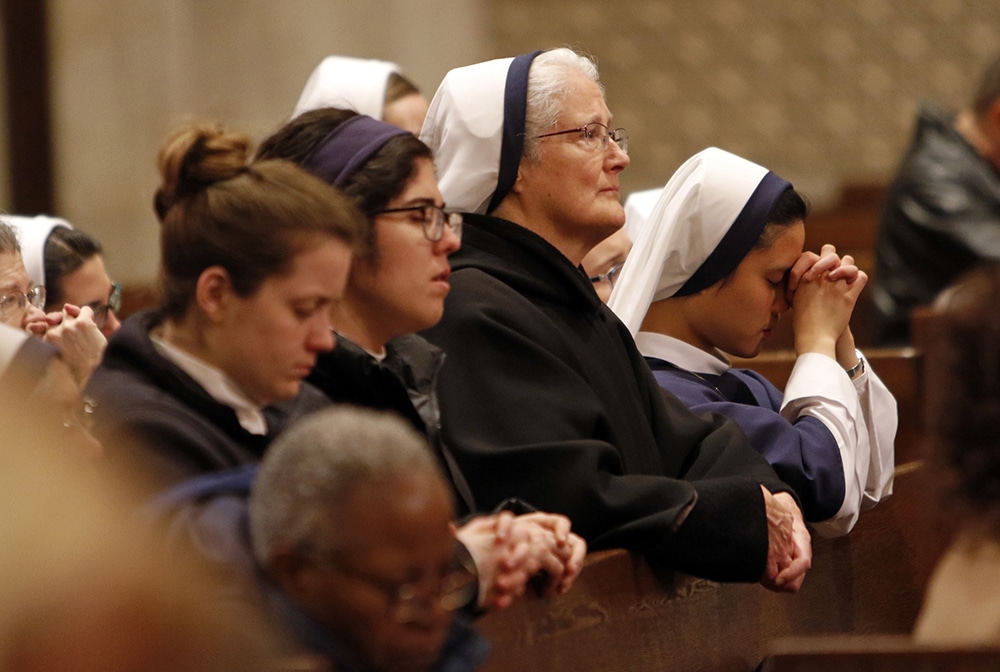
(545, 399)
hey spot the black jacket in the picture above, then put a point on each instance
(941, 216)
(546, 398)
(405, 382)
(156, 421)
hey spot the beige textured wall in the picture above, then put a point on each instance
(821, 91)
(127, 71)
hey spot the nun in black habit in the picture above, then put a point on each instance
(545, 395)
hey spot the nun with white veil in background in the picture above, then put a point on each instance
(717, 260)
(71, 328)
(547, 398)
(368, 86)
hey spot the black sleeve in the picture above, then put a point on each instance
(522, 421)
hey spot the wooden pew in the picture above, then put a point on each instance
(623, 615)
(876, 654)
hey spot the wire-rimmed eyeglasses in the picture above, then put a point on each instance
(406, 601)
(114, 304)
(432, 218)
(595, 136)
(611, 276)
(19, 301)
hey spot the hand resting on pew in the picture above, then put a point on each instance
(509, 551)
(789, 548)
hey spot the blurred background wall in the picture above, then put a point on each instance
(821, 91)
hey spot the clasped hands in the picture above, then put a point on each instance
(509, 551)
(823, 290)
(75, 333)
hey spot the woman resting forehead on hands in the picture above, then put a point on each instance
(252, 257)
(717, 260)
(397, 286)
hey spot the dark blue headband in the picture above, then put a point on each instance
(515, 107)
(349, 147)
(740, 238)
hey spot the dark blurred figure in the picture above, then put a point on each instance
(942, 213)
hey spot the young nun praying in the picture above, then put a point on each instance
(371, 87)
(716, 262)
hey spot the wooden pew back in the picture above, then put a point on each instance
(876, 654)
(623, 615)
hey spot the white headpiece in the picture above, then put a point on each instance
(475, 127)
(638, 205)
(707, 218)
(32, 234)
(351, 83)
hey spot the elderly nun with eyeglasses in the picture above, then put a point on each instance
(545, 395)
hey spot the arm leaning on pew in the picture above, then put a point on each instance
(621, 615)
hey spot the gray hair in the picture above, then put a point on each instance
(317, 464)
(546, 87)
(8, 239)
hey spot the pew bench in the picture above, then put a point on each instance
(876, 654)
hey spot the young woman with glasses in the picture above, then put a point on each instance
(252, 257)
(396, 287)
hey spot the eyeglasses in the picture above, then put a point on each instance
(114, 304)
(18, 301)
(595, 136)
(407, 601)
(433, 220)
(611, 276)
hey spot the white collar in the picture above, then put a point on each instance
(217, 384)
(681, 354)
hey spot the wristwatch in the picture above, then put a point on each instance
(855, 371)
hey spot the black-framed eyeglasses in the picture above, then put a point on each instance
(595, 136)
(611, 276)
(406, 601)
(433, 219)
(114, 304)
(18, 301)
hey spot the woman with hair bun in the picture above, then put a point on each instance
(252, 256)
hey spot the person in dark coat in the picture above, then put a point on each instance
(252, 257)
(545, 395)
(941, 215)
